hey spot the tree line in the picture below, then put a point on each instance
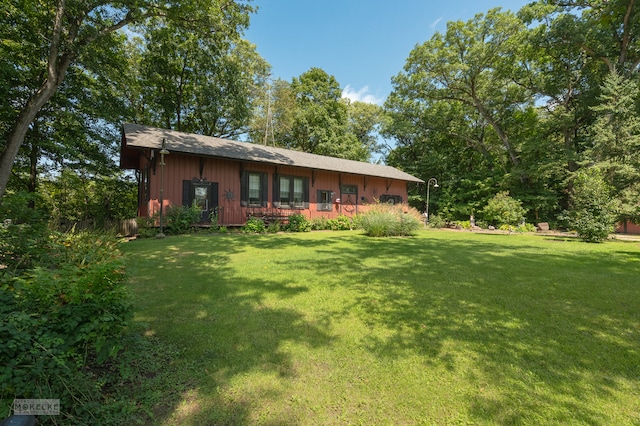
(527, 102)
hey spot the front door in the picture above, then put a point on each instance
(204, 195)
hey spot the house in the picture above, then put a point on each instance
(235, 180)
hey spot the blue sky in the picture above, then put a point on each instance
(362, 43)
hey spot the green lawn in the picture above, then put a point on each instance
(442, 328)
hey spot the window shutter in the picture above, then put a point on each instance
(186, 193)
(305, 192)
(244, 189)
(213, 195)
(275, 197)
(265, 189)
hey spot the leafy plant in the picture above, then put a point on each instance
(254, 225)
(320, 224)
(340, 223)
(180, 218)
(437, 221)
(504, 210)
(60, 317)
(298, 223)
(274, 227)
(592, 212)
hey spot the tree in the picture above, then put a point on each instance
(193, 82)
(365, 122)
(616, 141)
(606, 30)
(273, 113)
(58, 34)
(458, 111)
(592, 210)
(308, 114)
(320, 121)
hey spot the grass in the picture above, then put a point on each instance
(442, 328)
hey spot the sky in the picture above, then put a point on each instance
(362, 43)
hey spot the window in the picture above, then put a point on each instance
(391, 199)
(253, 190)
(291, 192)
(255, 196)
(284, 190)
(324, 200)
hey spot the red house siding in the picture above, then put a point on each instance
(628, 228)
(227, 174)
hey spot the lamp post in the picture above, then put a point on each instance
(433, 181)
(163, 152)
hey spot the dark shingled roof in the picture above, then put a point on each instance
(144, 137)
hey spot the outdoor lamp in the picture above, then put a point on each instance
(431, 181)
(163, 151)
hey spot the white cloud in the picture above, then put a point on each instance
(435, 23)
(361, 95)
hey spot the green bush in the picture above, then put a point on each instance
(180, 218)
(320, 224)
(504, 210)
(592, 212)
(62, 317)
(298, 223)
(341, 223)
(385, 220)
(437, 221)
(274, 227)
(526, 227)
(254, 225)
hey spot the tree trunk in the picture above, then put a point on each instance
(56, 69)
(19, 131)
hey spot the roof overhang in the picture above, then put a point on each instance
(136, 137)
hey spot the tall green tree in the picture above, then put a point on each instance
(616, 141)
(458, 109)
(605, 30)
(308, 114)
(365, 122)
(592, 210)
(43, 40)
(198, 83)
(320, 121)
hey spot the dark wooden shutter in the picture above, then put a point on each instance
(186, 193)
(213, 195)
(244, 189)
(276, 190)
(305, 192)
(264, 196)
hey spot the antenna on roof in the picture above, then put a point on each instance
(269, 118)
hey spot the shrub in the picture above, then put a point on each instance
(274, 227)
(437, 221)
(62, 317)
(180, 218)
(320, 224)
(341, 223)
(254, 225)
(526, 227)
(592, 212)
(298, 223)
(463, 224)
(384, 220)
(24, 234)
(504, 210)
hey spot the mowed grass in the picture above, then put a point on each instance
(441, 328)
